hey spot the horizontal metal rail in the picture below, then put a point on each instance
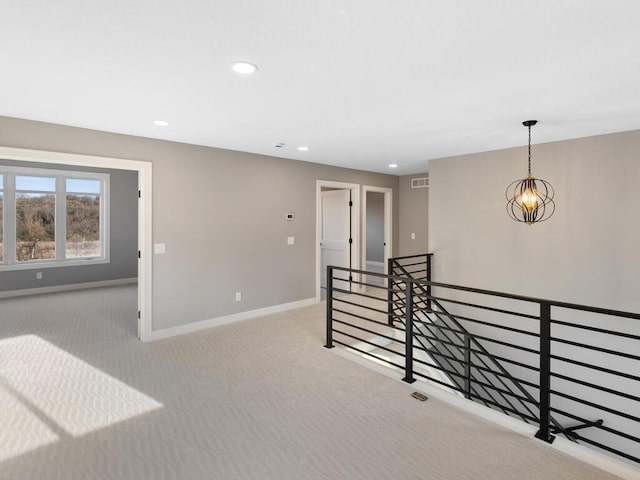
(494, 293)
(607, 448)
(442, 316)
(494, 325)
(364, 352)
(377, 347)
(484, 384)
(372, 332)
(494, 403)
(484, 307)
(604, 428)
(595, 386)
(577, 368)
(596, 329)
(597, 368)
(355, 315)
(473, 364)
(596, 349)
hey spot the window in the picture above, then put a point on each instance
(83, 218)
(1, 218)
(35, 218)
(52, 218)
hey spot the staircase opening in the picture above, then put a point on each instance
(567, 369)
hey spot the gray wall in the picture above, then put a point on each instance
(586, 253)
(123, 238)
(375, 226)
(221, 215)
(414, 217)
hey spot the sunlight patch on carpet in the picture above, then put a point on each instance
(46, 392)
(20, 429)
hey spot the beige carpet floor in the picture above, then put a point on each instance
(81, 398)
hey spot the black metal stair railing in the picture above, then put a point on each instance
(450, 346)
(545, 362)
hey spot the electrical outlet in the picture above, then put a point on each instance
(238, 296)
(413, 236)
(38, 275)
(291, 240)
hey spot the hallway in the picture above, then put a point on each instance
(259, 399)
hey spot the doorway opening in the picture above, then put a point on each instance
(144, 325)
(337, 232)
(376, 231)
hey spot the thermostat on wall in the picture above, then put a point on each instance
(288, 216)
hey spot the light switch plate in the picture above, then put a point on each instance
(291, 240)
(159, 248)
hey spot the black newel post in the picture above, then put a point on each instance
(390, 287)
(428, 280)
(544, 432)
(408, 353)
(467, 365)
(329, 343)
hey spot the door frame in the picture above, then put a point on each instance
(355, 226)
(388, 223)
(144, 214)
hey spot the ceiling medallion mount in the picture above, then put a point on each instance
(530, 200)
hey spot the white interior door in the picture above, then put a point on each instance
(335, 234)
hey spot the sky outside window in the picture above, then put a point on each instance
(39, 184)
(78, 185)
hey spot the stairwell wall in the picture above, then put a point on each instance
(586, 253)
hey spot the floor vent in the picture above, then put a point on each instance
(420, 182)
(420, 396)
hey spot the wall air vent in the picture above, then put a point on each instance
(420, 182)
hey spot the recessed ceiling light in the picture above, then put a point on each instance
(244, 67)
(303, 149)
(393, 165)
(161, 123)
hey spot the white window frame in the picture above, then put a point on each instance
(9, 262)
(3, 195)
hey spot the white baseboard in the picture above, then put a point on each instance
(235, 317)
(68, 287)
(581, 452)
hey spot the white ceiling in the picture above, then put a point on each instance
(362, 83)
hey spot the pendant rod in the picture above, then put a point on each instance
(529, 124)
(529, 150)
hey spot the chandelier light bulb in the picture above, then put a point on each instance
(529, 199)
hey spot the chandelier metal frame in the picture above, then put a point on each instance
(530, 200)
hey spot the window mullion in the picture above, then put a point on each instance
(105, 193)
(61, 218)
(10, 219)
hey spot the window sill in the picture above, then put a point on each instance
(36, 265)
